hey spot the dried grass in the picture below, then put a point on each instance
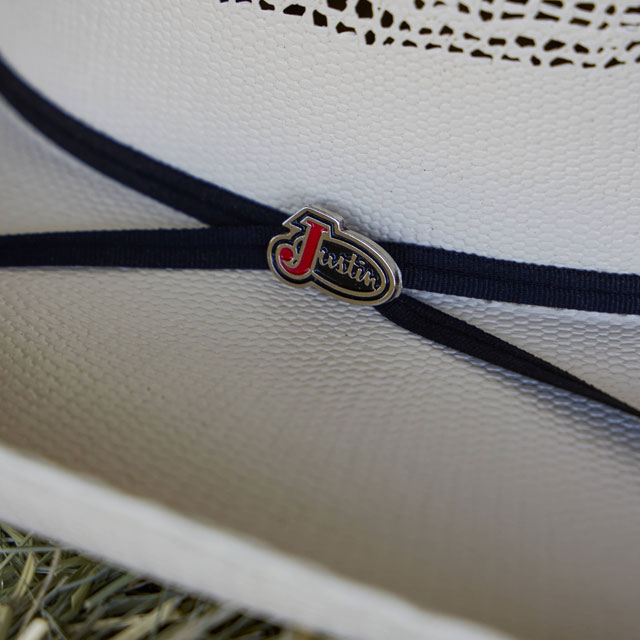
(48, 592)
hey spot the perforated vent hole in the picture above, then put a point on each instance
(554, 33)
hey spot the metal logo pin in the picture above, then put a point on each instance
(316, 250)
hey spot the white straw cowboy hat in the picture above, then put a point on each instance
(312, 459)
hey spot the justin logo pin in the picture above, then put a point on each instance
(316, 250)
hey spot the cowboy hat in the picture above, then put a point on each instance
(307, 457)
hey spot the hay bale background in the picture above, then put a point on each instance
(51, 592)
